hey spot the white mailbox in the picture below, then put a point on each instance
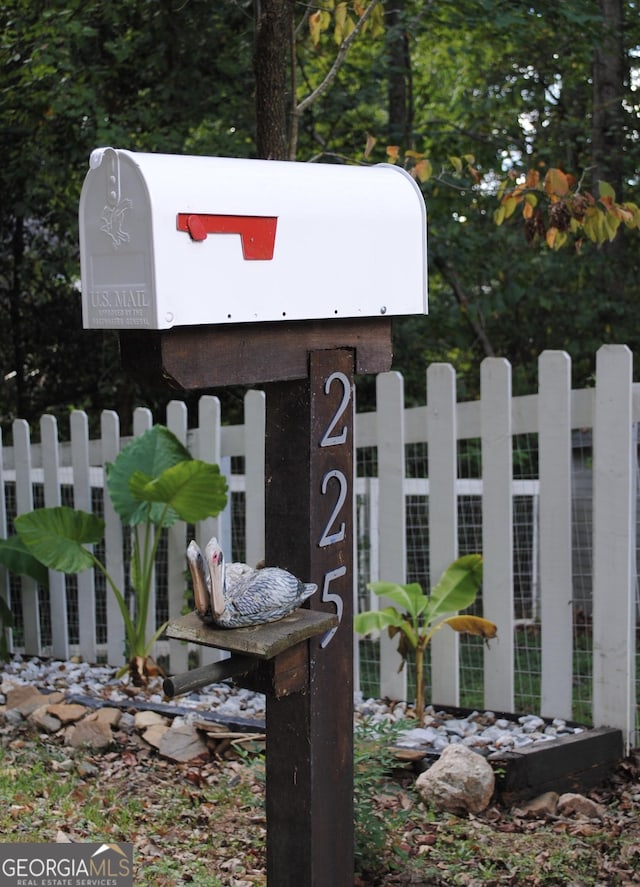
(302, 241)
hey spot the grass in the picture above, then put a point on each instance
(167, 812)
(204, 823)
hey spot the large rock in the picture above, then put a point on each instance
(461, 781)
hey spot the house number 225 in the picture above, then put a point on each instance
(334, 483)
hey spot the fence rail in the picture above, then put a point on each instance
(545, 485)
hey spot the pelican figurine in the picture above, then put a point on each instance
(234, 594)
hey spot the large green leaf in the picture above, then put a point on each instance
(194, 490)
(151, 453)
(57, 536)
(15, 556)
(389, 617)
(458, 586)
(410, 597)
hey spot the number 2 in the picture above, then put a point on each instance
(329, 439)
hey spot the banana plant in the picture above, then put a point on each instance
(152, 483)
(418, 616)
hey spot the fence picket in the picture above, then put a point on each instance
(443, 519)
(556, 592)
(392, 565)
(255, 422)
(79, 430)
(24, 503)
(497, 522)
(209, 449)
(177, 420)
(113, 543)
(5, 591)
(614, 568)
(143, 421)
(52, 498)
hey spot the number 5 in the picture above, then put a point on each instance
(328, 597)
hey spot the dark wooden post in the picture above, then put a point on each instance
(309, 521)
(307, 371)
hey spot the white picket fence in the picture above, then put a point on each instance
(71, 471)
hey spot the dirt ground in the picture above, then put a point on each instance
(209, 815)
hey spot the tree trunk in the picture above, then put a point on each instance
(608, 88)
(274, 23)
(399, 88)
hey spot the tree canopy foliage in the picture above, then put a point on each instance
(491, 99)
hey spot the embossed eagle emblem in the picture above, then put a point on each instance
(113, 218)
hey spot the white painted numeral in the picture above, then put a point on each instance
(329, 597)
(328, 538)
(328, 438)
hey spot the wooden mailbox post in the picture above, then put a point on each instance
(305, 355)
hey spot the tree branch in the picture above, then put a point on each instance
(338, 61)
(451, 276)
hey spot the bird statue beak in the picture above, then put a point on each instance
(198, 570)
(214, 559)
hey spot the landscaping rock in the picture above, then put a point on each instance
(154, 733)
(108, 716)
(460, 782)
(542, 806)
(144, 719)
(43, 720)
(93, 733)
(182, 744)
(571, 804)
(67, 713)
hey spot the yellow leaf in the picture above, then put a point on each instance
(533, 178)
(370, 145)
(509, 204)
(393, 152)
(556, 182)
(456, 162)
(423, 169)
(527, 210)
(591, 224)
(473, 625)
(605, 190)
(315, 26)
(552, 233)
(498, 216)
(561, 239)
(415, 155)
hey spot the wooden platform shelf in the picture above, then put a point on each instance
(262, 641)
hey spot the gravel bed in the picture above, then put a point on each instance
(486, 732)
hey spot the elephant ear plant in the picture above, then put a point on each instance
(152, 483)
(418, 615)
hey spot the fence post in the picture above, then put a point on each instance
(52, 498)
(209, 449)
(497, 530)
(177, 420)
(80, 462)
(24, 503)
(443, 519)
(614, 490)
(113, 550)
(5, 589)
(556, 575)
(254, 436)
(392, 517)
